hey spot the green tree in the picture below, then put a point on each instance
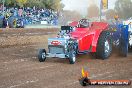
(53, 4)
(21, 3)
(123, 8)
(10, 3)
(49, 4)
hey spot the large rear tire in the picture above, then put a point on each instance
(123, 45)
(123, 42)
(104, 46)
(123, 48)
(42, 55)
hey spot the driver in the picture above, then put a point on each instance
(84, 23)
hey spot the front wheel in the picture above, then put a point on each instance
(72, 54)
(72, 57)
(42, 55)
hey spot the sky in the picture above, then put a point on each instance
(82, 5)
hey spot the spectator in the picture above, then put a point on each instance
(20, 12)
(34, 14)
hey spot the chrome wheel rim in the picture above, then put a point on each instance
(107, 46)
(43, 55)
(74, 58)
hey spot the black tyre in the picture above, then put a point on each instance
(4, 23)
(123, 43)
(20, 22)
(1, 23)
(72, 58)
(123, 46)
(12, 22)
(72, 54)
(42, 55)
(104, 46)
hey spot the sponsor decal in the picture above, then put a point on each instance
(55, 43)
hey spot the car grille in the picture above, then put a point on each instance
(56, 50)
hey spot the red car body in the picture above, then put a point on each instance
(88, 37)
(80, 38)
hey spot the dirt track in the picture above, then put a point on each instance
(20, 68)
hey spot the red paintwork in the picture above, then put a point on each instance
(73, 24)
(88, 37)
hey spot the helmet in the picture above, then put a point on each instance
(116, 17)
(84, 23)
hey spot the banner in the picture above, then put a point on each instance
(104, 4)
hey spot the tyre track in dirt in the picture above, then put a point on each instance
(57, 72)
(20, 68)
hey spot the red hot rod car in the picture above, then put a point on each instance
(79, 38)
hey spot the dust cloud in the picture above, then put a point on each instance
(80, 6)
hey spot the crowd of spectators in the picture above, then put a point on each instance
(33, 15)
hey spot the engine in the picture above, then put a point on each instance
(60, 44)
(57, 45)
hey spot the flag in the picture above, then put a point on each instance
(104, 4)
